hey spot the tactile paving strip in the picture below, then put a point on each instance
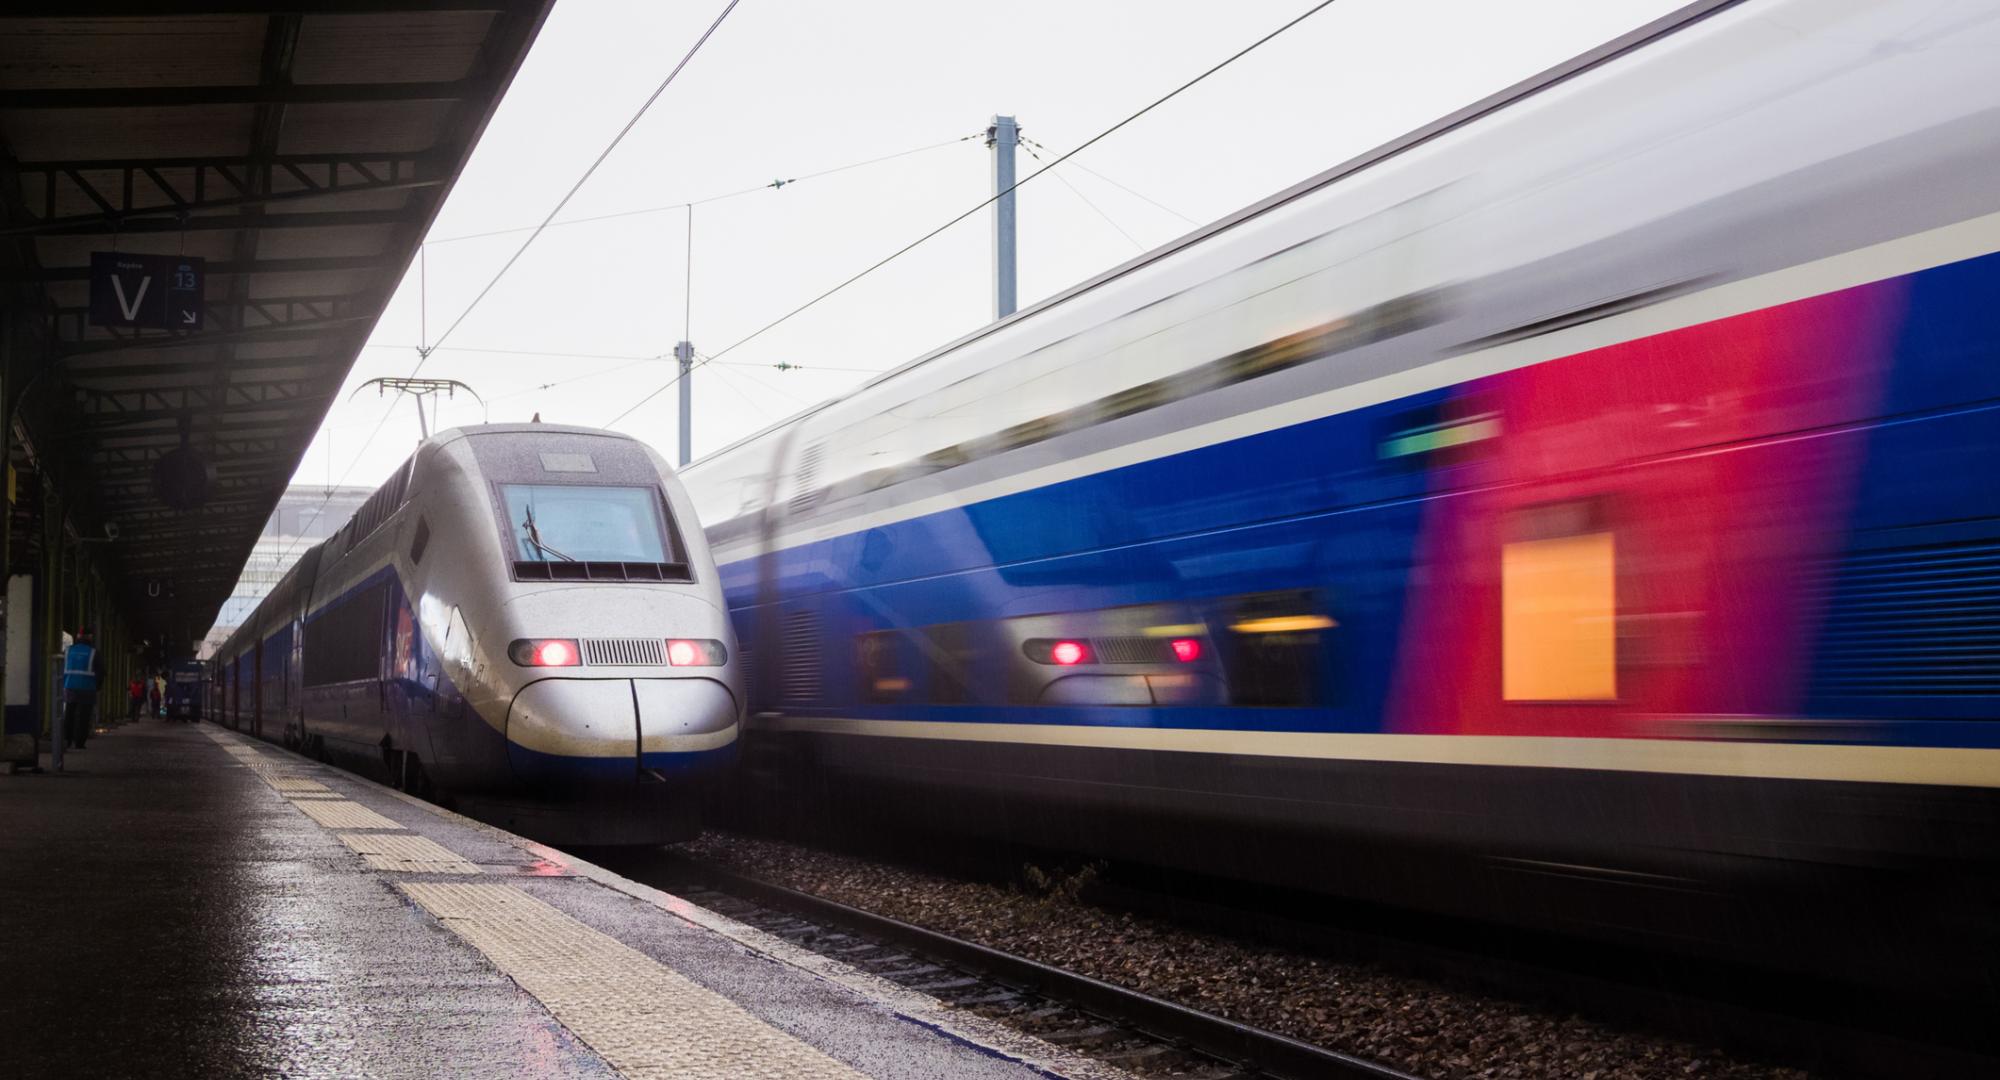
(643, 1018)
(292, 785)
(341, 814)
(407, 853)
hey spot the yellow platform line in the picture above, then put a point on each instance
(646, 1020)
(407, 853)
(342, 814)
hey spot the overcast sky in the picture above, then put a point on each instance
(788, 88)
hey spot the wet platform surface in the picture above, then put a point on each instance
(184, 901)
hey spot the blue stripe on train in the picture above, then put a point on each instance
(1925, 526)
(1312, 505)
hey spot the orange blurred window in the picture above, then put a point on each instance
(1559, 605)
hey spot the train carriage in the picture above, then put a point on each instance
(1596, 485)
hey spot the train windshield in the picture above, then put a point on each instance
(586, 523)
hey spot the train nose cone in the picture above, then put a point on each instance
(580, 731)
(683, 723)
(573, 730)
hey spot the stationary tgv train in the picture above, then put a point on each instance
(524, 618)
(1600, 486)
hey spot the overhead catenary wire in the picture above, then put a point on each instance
(773, 185)
(755, 406)
(587, 173)
(1078, 192)
(745, 370)
(1140, 195)
(983, 204)
(632, 360)
(424, 352)
(688, 298)
(344, 474)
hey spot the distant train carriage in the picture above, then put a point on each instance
(1596, 487)
(524, 619)
(187, 690)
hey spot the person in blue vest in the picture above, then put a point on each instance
(83, 669)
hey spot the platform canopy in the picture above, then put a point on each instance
(300, 150)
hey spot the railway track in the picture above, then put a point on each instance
(1139, 1033)
(1151, 1036)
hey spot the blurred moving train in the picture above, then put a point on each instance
(1599, 487)
(517, 620)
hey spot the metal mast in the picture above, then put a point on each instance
(1002, 138)
(684, 352)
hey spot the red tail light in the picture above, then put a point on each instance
(1064, 652)
(1186, 649)
(696, 652)
(544, 652)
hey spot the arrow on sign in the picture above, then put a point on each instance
(131, 310)
(187, 318)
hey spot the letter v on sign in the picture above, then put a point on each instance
(130, 309)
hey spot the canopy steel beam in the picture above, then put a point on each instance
(224, 448)
(124, 489)
(166, 438)
(113, 9)
(332, 219)
(244, 505)
(255, 313)
(172, 187)
(317, 265)
(155, 97)
(168, 403)
(302, 331)
(220, 365)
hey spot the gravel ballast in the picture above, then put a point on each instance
(1406, 1022)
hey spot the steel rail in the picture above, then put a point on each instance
(1250, 1048)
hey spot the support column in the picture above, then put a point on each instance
(1003, 137)
(684, 352)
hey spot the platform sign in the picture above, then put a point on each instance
(160, 292)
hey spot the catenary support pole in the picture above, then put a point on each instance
(1002, 138)
(684, 352)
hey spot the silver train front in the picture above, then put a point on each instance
(525, 620)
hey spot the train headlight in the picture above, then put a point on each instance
(545, 652)
(695, 652)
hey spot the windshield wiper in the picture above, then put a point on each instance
(535, 538)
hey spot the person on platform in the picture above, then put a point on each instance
(157, 687)
(136, 693)
(83, 669)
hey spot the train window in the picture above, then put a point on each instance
(587, 523)
(883, 664)
(343, 642)
(1559, 605)
(1273, 647)
(1445, 433)
(422, 541)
